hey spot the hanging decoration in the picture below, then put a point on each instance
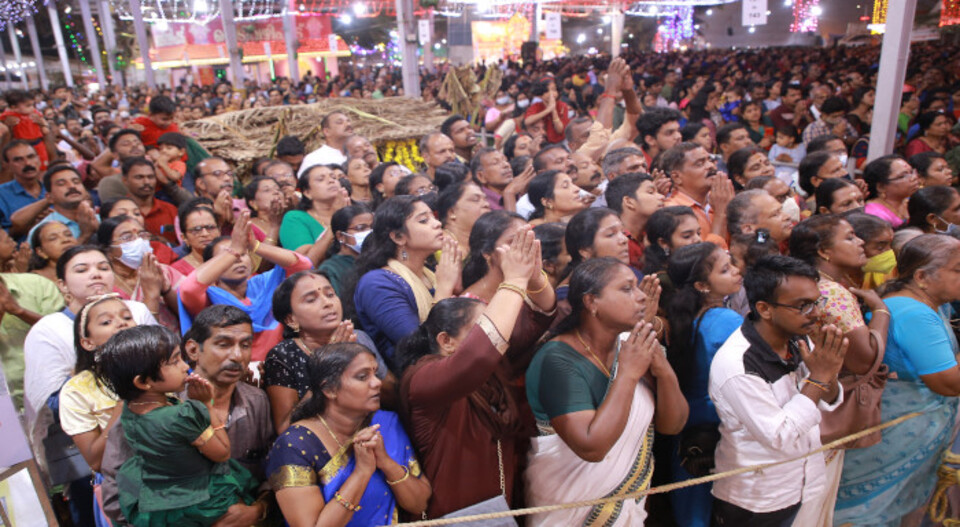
(14, 11)
(676, 26)
(76, 38)
(950, 13)
(806, 16)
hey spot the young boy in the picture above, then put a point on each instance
(158, 122)
(168, 158)
(25, 122)
(788, 149)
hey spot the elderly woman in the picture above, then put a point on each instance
(460, 367)
(226, 277)
(138, 274)
(596, 434)
(892, 481)
(344, 461)
(47, 242)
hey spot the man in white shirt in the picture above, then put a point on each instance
(769, 384)
(336, 128)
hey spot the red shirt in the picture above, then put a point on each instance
(553, 135)
(159, 221)
(635, 247)
(151, 132)
(29, 131)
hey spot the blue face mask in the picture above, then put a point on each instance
(952, 229)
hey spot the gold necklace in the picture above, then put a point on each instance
(163, 403)
(325, 425)
(603, 367)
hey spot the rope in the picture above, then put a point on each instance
(664, 488)
(947, 476)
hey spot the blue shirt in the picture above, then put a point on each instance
(14, 197)
(917, 341)
(713, 329)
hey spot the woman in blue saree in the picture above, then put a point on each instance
(343, 461)
(891, 482)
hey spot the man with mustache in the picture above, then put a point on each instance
(359, 146)
(139, 176)
(69, 203)
(24, 192)
(218, 347)
(214, 180)
(336, 128)
(697, 184)
(104, 171)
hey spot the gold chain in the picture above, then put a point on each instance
(503, 484)
(325, 425)
(592, 354)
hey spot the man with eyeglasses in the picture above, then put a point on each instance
(213, 179)
(769, 383)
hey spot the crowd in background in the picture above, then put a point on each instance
(626, 272)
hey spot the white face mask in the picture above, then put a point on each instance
(843, 159)
(792, 209)
(502, 101)
(358, 238)
(133, 252)
(523, 103)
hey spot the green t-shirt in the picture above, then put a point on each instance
(561, 381)
(298, 229)
(336, 268)
(37, 294)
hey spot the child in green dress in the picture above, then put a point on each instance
(181, 472)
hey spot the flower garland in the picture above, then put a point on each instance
(405, 152)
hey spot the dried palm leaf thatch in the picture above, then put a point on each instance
(243, 136)
(465, 94)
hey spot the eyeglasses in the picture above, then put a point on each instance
(426, 190)
(911, 174)
(806, 308)
(130, 236)
(201, 228)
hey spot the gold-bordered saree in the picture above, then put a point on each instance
(557, 475)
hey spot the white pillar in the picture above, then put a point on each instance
(110, 42)
(537, 22)
(233, 46)
(92, 42)
(37, 55)
(428, 45)
(8, 84)
(290, 37)
(893, 69)
(408, 46)
(616, 31)
(17, 57)
(142, 41)
(61, 47)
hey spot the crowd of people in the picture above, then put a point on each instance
(625, 272)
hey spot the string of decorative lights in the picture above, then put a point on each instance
(806, 16)
(76, 37)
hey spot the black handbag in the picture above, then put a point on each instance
(696, 449)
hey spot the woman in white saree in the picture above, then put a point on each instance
(595, 395)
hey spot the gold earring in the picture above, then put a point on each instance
(453, 216)
(295, 328)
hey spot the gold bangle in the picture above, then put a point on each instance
(345, 504)
(269, 240)
(818, 384)
(875, 311)
(256, 247)
(406, 474)
(510, 287)
(546, 282)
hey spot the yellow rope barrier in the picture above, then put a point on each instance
(948, 476)
(663, 488)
